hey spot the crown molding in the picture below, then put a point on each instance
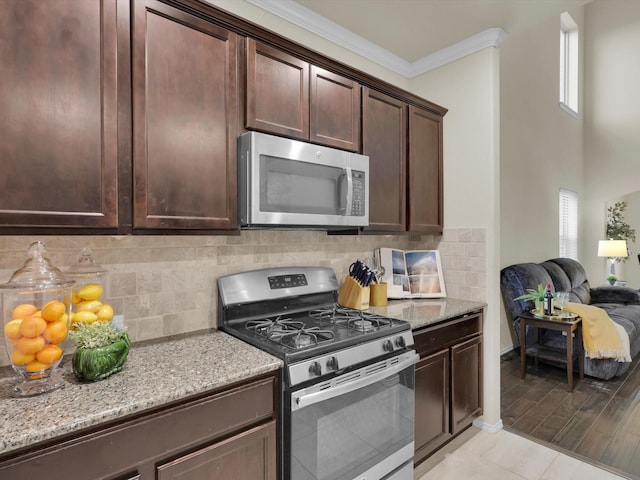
(492, 37)
(304, 18)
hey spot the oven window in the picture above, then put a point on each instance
(344, 436)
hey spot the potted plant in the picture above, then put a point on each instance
(612, 279)
(101, 350)
(534, 295)
(617, 227)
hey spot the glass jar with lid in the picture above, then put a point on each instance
(87, 299)
(35, 307)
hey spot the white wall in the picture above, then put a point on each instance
(470, 88)
(540, 144)
(612, 124)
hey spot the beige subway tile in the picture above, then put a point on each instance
(149, 282)
(450, 235)
(464, 235)
(122, 284)
(479, 235)
(476, 250)
(471, 279)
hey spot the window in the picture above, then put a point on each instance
(568, 64)
(568, 224)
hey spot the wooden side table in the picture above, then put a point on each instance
(569, 326)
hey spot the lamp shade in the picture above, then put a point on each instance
(612, 248)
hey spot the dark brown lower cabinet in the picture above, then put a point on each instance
(230, 433)
(247, 455)
(448, 381)
(432, 402)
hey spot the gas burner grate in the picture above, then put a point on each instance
(350, 318)
(334, 314)
(276, 328)
(305, 337)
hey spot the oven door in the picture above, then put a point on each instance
(358, 425)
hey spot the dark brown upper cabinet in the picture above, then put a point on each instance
(64, 75)
(425, 166)
(184, 120)
(384, 140)
(334, 110)
(290, 97)
(277, 92)
(404, 145)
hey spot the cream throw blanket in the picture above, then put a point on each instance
(602, 337)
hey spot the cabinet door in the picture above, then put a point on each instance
(59, 122)
(432, 403)
(277, 92)
(384, 140)
(249, 455)
(334, 110)
(425, 171)
(466, 383)
(185, 120)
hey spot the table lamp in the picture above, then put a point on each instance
(614, 250)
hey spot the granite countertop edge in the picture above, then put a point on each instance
(421, 313)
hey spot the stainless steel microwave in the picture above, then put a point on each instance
(287, 183)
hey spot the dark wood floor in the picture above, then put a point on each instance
(599, 422)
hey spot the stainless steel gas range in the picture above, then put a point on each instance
(347, 389)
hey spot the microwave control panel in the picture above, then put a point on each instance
(359, 193)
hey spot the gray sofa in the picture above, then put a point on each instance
(567, 275)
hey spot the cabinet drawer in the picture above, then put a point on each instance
(250, 455)
(444, 335)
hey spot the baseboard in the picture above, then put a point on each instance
(491, 428)
(508, 349)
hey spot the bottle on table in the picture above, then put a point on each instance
(548, 301)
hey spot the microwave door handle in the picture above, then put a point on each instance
(305, 400)
(345, 191)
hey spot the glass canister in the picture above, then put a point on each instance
(87, 298)
(35, 312)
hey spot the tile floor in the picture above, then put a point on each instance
(480, 455)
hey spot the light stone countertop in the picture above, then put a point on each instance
(424, 312)
(154, 374)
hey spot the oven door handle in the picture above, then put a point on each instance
(302, 399)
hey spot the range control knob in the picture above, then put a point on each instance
(400, 343)
(332, 363)
(315, 369)
(387, 346)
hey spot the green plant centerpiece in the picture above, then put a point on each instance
(101, 350)
(612, 279)
(534, 295)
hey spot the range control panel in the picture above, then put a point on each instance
(288, 281)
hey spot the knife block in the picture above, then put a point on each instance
(353, 295)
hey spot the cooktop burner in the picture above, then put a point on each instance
(356, 319)
(306, 337)
(289, 332)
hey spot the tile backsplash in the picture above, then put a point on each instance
(165, 284)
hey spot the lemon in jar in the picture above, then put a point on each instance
(91, 291)
(105, 313)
